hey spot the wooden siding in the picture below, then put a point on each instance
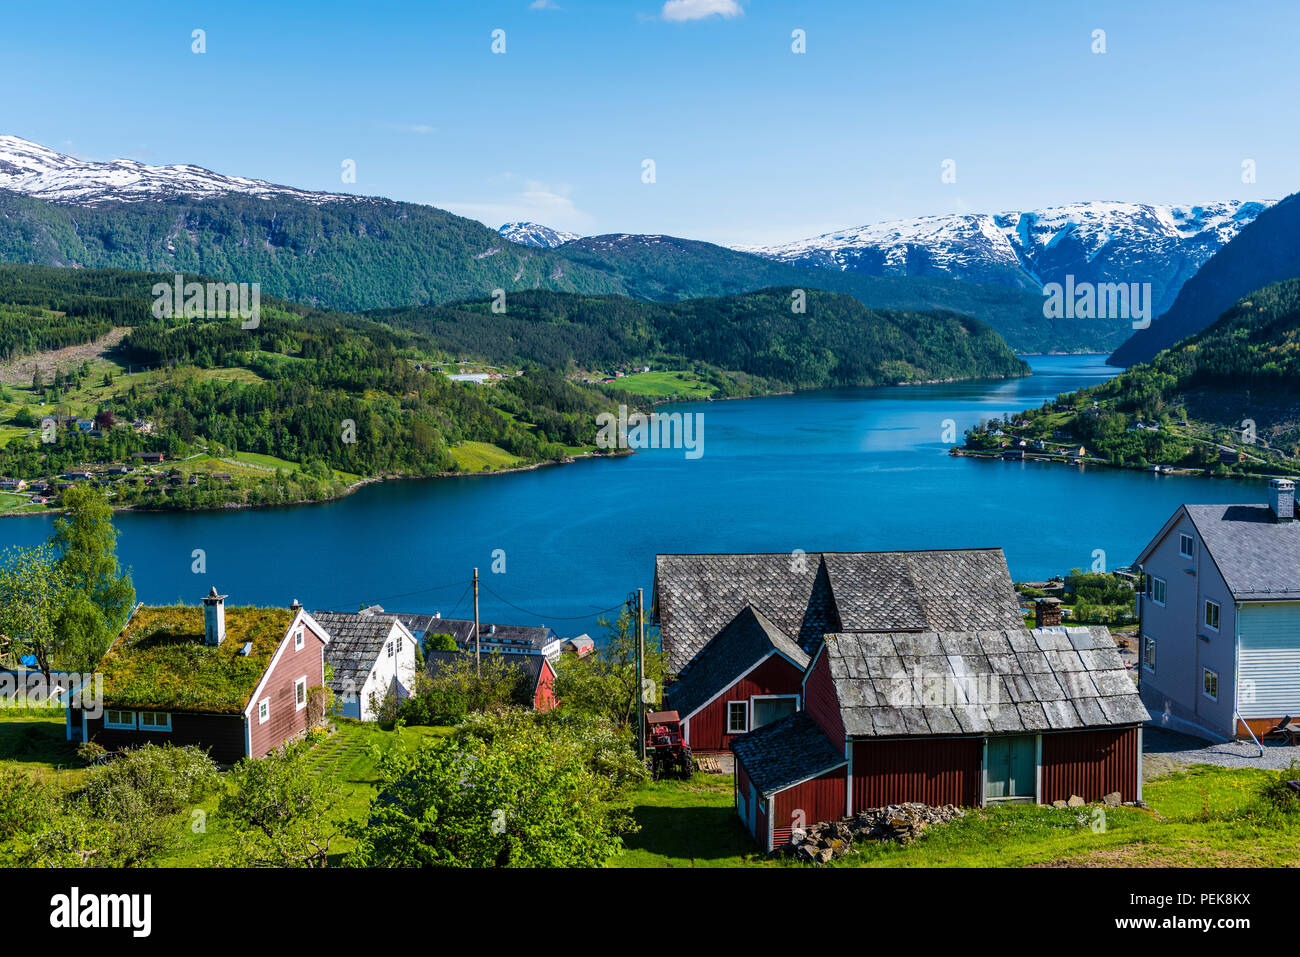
(221, 735)
(544, 699)
(286, 720)
(821, 799)
(1090, 764)
(1269, 662)
(707, 728)
(821, 702)
(930, 771)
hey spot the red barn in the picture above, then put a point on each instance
(749, 675)
(234, 682)
(968, 718)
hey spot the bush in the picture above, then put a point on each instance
(1276, 794)
(90, 752)
(25, 803)
(153, 779)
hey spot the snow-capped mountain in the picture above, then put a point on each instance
(1094, 242)
(535, 234)
(47, 174)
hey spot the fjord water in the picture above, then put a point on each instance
(842, 470)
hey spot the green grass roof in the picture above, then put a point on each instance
(160, 662)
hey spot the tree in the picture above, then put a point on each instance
(280, 807)
(521, 797)
(604, 682)
(459, 688)
(33, 592)
(102, 596)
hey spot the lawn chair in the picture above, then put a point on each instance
(1287, 729)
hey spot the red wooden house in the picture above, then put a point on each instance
(738, 629)
(967, 718)
(234, 682)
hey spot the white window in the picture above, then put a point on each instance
(399, 644)
(264, 711)
(1159, 588)
(1212, 615)
(1210, 684)
(737, 717)
(390, 648)
(155, 721)
(299, 638)
(1149, 654)
(300, 693)
(1185, 545)
(120, 720)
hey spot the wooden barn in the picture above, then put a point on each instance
(965, 717)
(738, 629)
(234, 682)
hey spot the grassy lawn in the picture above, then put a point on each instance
(482, 457)
(1200, 816)
(664, 385)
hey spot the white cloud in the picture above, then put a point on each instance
(679, 11)
(537, 202)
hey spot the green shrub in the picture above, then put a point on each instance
(1276, 794)
(25, 803)
(153, 779)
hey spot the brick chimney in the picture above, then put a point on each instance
(1047, 612)
(1281, 499)
(214, 618)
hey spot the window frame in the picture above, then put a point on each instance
(299, 705)
(299, 638)
(111, 725)
(165, 728)
(264, 705)
(1218, 615)
(1191, 547)
(1149, 653)
(389, 648)
(744, 705)
(1206, 675)
(1164, 585)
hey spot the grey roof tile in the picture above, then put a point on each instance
(785, 752)
(1258, 557)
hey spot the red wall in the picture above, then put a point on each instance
(708, 727)
(821, 702)
(544, 699)
(821, 799)
(1090, 764)
(931, 771)
(286, 719)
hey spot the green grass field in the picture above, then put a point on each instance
(665, 385)
(482, 457)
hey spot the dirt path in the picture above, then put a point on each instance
(19, 371)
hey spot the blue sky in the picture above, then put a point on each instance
(752, 142)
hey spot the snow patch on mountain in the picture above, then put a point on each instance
(47, 174)
(535, 234)
(1094, 241)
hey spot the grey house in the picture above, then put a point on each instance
(1220, 617)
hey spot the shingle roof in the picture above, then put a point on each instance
(534, 637)
(785, 752)
(808, 595)
(356, 643)
(748, 638)
(529, 666)
(1258, 557)
(1009, 681)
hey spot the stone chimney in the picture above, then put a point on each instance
(1047, 612)
(1281, 499)
(214, 618)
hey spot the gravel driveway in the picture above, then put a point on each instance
(1184, 749)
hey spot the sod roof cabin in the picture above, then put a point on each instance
(233, 681)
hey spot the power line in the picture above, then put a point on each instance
(546, 615)
(408, 594)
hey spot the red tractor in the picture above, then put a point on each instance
(665, 748)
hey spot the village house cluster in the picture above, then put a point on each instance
(837, 681)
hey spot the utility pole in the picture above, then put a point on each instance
(476, 655)
(640, 677)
